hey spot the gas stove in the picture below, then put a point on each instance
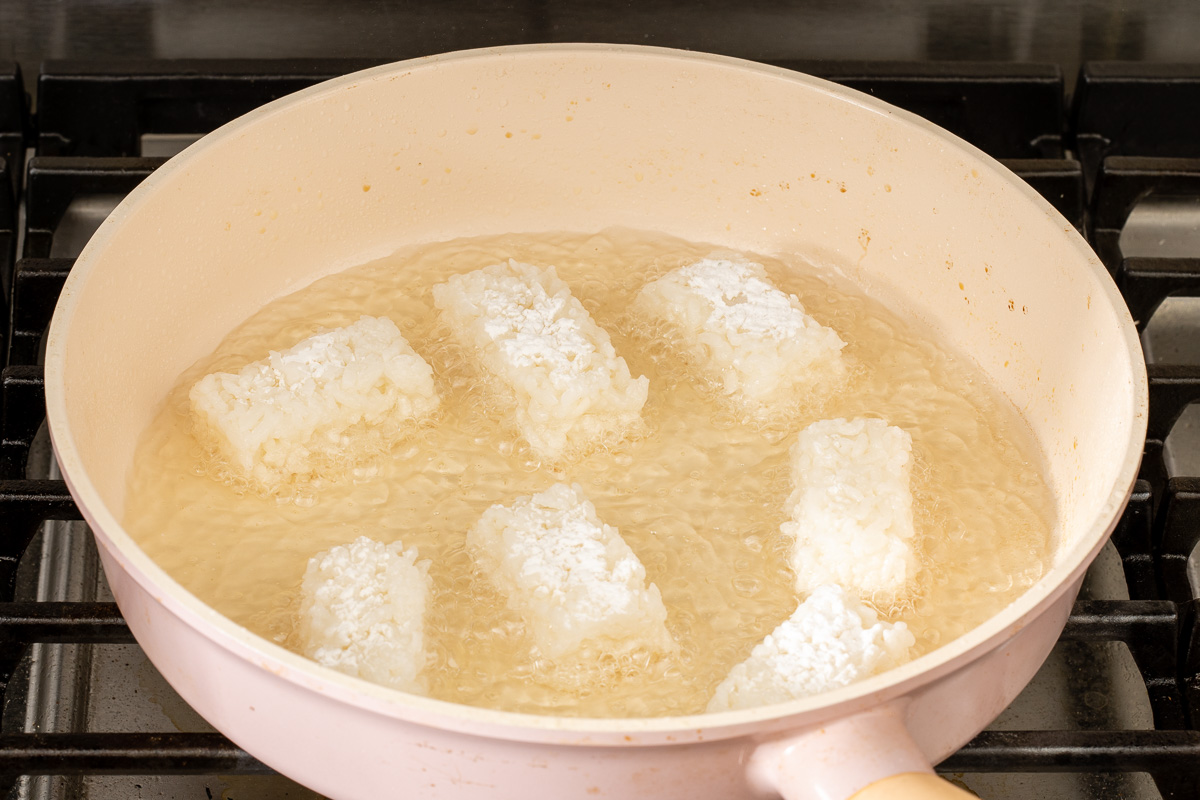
(1115, 712)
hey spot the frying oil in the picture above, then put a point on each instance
(699, 495)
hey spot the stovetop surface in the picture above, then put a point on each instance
(1112, 714)
(1066, 33)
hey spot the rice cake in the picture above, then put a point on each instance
(363, 612)
(830, 641)
(318, 408)
(525, 328)
(753, 343)
(572, 578)
(851, 508)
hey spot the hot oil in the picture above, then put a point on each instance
(699, 496)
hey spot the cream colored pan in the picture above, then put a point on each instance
(692, 145)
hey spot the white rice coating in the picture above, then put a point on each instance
(363, 612)
(830, 641)
(851, 508)
(527, 330)
(573, 579)
(290, 416)
(749, 339)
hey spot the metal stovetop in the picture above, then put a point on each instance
(1126, 672)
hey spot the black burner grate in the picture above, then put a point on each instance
(12, 157)
(1125, 181)
(88, 134)
(1125, 108)
(1007, 110)
(88, 109)
(14, 120)
(53, 182)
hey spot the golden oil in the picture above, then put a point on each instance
(698, 495)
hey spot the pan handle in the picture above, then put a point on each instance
(913, 786)
(866, 756)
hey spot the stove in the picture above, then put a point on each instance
(1115, 712)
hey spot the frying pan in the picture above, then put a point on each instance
(581, 138)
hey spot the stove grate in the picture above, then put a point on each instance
(1125, 108)
(53, 182)
(37, 283)
(88, 109)
(1125, 181)
(104, 109)
(14, 122)
(1150, 628)
(1146, 282)
(89, 131)
(1007, 110)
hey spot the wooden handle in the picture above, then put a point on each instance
(913, 786)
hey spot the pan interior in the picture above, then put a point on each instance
(698, 490)
(585, 139)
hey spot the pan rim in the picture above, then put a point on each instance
(582, 730)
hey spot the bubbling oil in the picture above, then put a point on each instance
(698, 495)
